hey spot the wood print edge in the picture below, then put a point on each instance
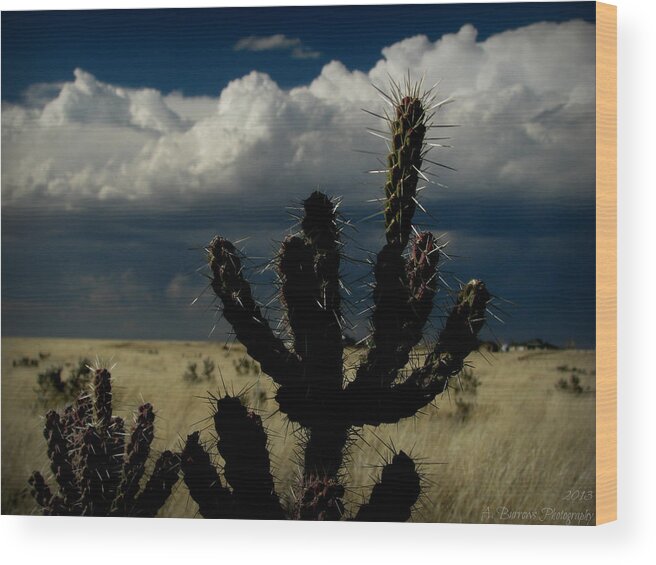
(606, 256)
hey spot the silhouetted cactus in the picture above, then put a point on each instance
(312, 390)
(95, 473)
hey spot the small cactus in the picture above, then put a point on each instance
(309, 372)
(96, 474)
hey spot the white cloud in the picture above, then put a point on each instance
(524, 102)
(89, 101)
(276, 42)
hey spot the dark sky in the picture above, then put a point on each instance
(110, 191)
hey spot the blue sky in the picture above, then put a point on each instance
(192, 49)
(131, 137)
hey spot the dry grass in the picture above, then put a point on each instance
(522, 449)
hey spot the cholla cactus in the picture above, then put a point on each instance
(312, 390)
(96, 473)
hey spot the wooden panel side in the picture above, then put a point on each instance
(606, 172)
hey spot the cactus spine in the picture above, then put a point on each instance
(310, 374)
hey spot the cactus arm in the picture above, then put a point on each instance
(299, 292)
(421, 269)
(403, 301)
(102, 394)
(159, 486)
(456, 341)
(390, 310)
(300, 295)
(392, 296)
(114, 449)
(407, 129)
(77, 416)
(314, 306)
(322, 232)
(60, 459)
(137, 453)
(94, 501)
(40, 489)
(393, 497)
(245, 317)
(243, 445)
(308, 268)
(203, 482)
(108, 455)
(50, 505)
(389, 406)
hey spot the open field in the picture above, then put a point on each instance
(517, 450)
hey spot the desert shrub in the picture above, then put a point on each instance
(246, 366)
(254, 396)
(572, 385)
(568, 369)
(79, 378)
(25, 362)
(464, 409)
(466, 382)
(208, 369)
(51, 387)
(259, 396)
(191, 374)
(50, 381)
(464, 389)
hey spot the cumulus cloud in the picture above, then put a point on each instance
(89, 101)
(278, 41)
(524, 103)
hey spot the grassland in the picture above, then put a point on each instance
(517, 450)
